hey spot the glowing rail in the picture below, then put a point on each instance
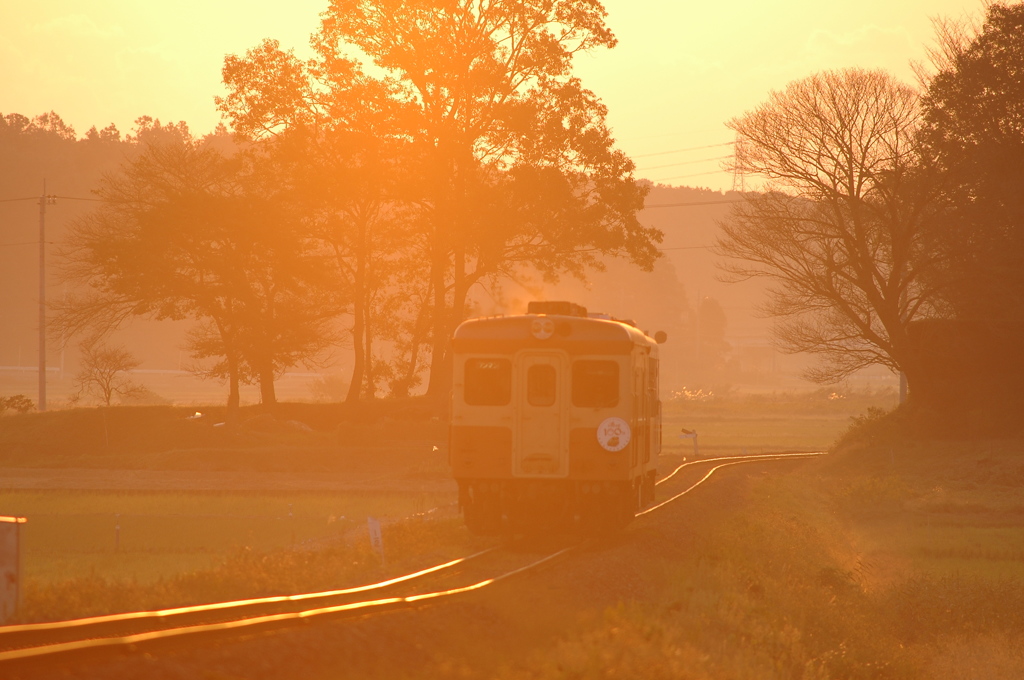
(217, 606)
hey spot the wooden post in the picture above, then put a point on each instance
(10, 566)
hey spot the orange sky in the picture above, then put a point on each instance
(680, 70)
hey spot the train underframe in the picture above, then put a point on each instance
(494, 507)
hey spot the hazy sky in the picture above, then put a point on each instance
(681, 69)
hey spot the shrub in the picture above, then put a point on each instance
(19, 403)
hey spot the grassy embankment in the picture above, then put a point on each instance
(892, 558)
(182, 546)
(763, 423)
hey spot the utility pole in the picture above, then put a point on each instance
(903, 376)
(696, 354)
(738, 180)
(44, 200)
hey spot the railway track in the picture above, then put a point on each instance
(26, 643)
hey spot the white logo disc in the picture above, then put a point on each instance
(613, 434)
(542, 329)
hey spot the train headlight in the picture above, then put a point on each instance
(613, 434)
(542, 329)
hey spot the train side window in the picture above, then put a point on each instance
(595, 383)
(488, 382)
(540, 385)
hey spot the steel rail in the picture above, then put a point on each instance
(354, 607)
(218, 606)
(748, 458)
(731, 461)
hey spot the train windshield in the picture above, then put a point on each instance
(595, 383)
(488, 382)
(540, 385)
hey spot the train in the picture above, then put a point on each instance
(555, 420)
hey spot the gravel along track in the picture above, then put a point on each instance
(96, 648)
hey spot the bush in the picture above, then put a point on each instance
(19, 403)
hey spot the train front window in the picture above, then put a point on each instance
(540, 385)
(488, 382)
(595, 383)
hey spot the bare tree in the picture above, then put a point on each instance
(105, 370)
(838, 230)
(952, 38)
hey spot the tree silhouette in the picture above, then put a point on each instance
(186, 232)
(838, 231)
(974, 133)
(104, 371)
(351, 201)
(18, 403)
(506, 155)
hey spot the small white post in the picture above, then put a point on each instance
(10, 566)
(376, 538)
(291, 524)
(691, 434)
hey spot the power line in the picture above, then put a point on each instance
(672, 165)
(692, 148)
(27, 243)
(66, 198)
(695, 174)
(693, 203)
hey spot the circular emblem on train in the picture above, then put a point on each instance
(613, 434)
(542, 329)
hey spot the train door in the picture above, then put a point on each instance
(641, 412)
(654, 396)
(541, 446)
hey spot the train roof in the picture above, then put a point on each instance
(573, 333)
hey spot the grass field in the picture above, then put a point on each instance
(141, 537)
(765, 422)
(899, 560)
